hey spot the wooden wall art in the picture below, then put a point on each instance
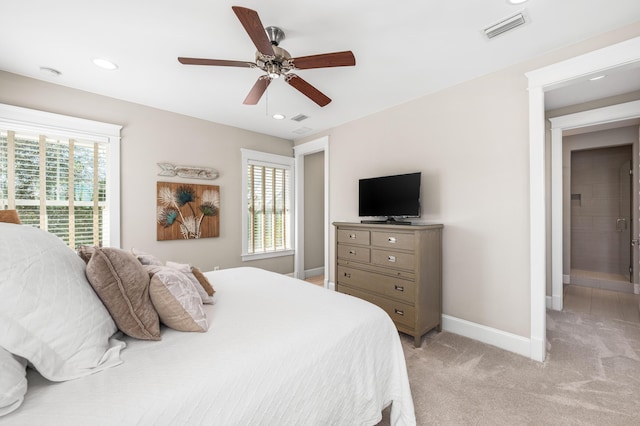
(187, 211)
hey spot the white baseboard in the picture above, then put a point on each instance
(549, 300)
(492, 336)
(331, 286)
(314, 272)
(566, 279)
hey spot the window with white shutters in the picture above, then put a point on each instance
(267, 205)
(60, 179)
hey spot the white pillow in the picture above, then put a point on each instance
(13, 381)
(49, 313)
(186, 269)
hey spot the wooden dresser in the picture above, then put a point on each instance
(397, 267)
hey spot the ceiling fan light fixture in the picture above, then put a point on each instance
(273, 70)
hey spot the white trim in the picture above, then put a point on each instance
(265, 255)
(330, 285)
(556, 225)
(250, 156)
(566, 279)
(537, 231)
(492, 336)
(549, 301)
(542, 79)
(603, 115)
(313, 272)
(312, 147)
(25, 119)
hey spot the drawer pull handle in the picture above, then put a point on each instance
(352, 236)
(347, 274)
(399, 312)
(399, 288)
(391, 258)
(391, 240)
(353, 252)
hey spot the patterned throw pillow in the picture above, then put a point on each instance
(176, 300)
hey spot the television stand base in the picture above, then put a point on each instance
(390, 221)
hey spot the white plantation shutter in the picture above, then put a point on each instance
(267, 191)
(60, 179)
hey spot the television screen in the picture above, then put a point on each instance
(390, 196)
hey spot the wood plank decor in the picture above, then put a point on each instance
(187, 211)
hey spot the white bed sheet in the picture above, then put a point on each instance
(279, 351)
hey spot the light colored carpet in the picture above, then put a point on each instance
(591, 377)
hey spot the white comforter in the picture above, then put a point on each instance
(279, 351)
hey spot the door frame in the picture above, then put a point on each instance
(300, 151)
(539, 81)
(613, 113)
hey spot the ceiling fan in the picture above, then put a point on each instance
(275, 61)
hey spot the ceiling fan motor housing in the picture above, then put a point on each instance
(275, 65)
(275, 34)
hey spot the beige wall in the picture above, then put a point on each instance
(471, 143)
(150, 136)
(314, 210)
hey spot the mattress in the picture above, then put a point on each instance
(279, 351)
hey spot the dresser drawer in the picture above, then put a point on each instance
(392, 240)
(351, 236)
(388, 286)
(400, 313)
(360, 254)
(392, 259)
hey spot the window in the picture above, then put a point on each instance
(58, 172)
(267, 186)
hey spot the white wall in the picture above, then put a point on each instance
(471, 144)
(150, 136)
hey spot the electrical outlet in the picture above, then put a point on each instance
(216, 268)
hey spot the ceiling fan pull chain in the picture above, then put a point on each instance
(267, 102)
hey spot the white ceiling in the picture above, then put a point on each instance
(403, 49)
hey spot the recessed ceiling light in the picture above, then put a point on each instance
(516, 1)
(279, 116)
(50, 71)
(103, 63)
(597, 77)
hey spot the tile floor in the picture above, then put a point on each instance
(604, 303)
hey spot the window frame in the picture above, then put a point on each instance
(58, 125)
(269, 160)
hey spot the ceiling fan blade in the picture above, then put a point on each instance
(326, 60)
(257, 90)
(217, 62)
(308, 90)
(253, 26)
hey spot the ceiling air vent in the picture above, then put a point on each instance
(301, 130)
(299, 117)
(507, 24)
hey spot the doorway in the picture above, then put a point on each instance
(601, 218)
(300, 153)
(544, 79)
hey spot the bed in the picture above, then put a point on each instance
(278, 351)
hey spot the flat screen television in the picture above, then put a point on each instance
(391, 197)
